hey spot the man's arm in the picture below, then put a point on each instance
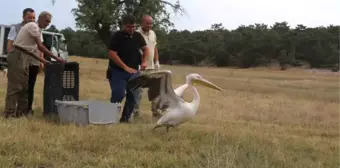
(41, 53)
(145, 54)
(43, 49)
(42, 57)
(114, 57)
(11, 36)
(113, 48)
(156, 55)
(156, 58)
(35, 33)
(142, 44)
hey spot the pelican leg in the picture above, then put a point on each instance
(168, 127)
(155, 108)
(157, 126)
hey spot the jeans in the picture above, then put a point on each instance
(118, 82)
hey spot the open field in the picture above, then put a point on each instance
(263, 118)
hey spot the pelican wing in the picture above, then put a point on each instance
(159, 85)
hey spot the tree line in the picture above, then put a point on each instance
(244, 47)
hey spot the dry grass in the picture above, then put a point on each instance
(264, 118)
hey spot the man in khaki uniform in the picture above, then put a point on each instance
(153, 61)
(36, 66)
(25, 47)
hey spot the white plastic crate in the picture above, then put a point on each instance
(88, 112)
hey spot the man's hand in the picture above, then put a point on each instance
(60, 60)
(42, 67)
(130, 70)
(143, 66)
(157, 65)
(42, 60)
(46, 62)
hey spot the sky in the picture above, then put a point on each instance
(201, 14)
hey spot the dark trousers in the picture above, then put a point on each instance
(118, 80)
(154, 103)
(33, 73)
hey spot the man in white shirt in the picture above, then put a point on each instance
(151, 41)
(26, 47)
(153, 60)
(28, 16)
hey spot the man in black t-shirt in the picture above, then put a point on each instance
(125, 59)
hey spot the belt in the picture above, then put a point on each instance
(27, 52)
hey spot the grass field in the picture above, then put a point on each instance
(263, 118)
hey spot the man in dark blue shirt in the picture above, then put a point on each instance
(125, 60)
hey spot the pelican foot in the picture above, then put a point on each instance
(157, 114)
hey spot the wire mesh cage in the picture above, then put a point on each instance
(71, 82)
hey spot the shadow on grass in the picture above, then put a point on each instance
(49, 118)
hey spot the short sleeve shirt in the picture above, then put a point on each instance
(12, 34)
(127, 48)
(25, 39)
(151, 41)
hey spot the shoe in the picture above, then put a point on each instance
(136, 113)
(30, 112)
(9, 115)
(124, 120)
(25, 112)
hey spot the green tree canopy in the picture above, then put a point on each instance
(102, 16)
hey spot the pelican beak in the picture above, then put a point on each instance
(206, 83)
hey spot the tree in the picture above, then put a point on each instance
(334, 57)
(102, 16)
(247, 46)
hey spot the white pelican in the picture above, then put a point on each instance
(160, 87)
(179, 90)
